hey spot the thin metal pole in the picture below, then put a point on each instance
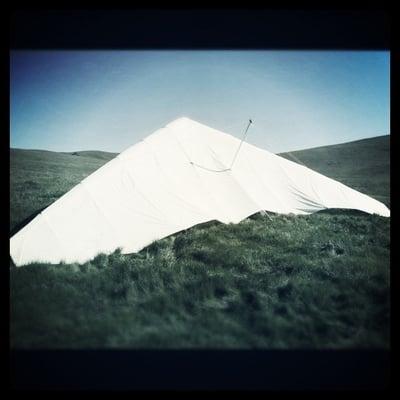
(240, 145)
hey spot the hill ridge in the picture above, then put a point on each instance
(79, 152)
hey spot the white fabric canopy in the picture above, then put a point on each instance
(175, 178)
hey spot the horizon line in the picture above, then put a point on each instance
(281, 152)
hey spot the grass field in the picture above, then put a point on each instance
(363, 165)
(38, 178)
(316, 281)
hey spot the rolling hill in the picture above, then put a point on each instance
(363, 165)
(38, 177)
(271, 281)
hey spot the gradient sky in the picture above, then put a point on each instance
(109, 100)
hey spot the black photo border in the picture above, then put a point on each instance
(214, 28)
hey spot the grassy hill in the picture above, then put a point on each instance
(363, 165)
(39, 177)
(316, 281)
(99, 155)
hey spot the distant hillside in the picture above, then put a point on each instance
(39, 177)
(100, 155)
(363, 165)
(54, 156)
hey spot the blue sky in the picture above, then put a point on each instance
(109, 100)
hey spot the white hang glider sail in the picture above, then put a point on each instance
(177, 177)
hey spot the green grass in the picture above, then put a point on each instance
(316, 281)
(38, 178)
(363, 165)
